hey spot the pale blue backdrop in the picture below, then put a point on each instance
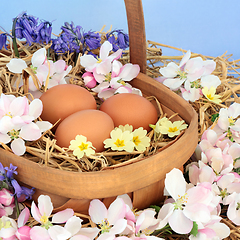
(210, 27)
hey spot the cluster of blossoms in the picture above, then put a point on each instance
(120, 220)
(71, 39)
(193, 78)
(28, 27)
(214, 182)
(106, 75)
(123, 138)
(74, 39)
(18, 122)
(47, 72)
(119, 41)
(11, 190)
(165, 126)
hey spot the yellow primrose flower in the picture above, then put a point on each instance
(126, 127)
(121, 141)
(140, 139)
(159, 123)
(172, 129)
(210, 94)
(80, 146)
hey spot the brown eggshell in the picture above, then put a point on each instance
(95, 125)
(63, 100)
(129, 108)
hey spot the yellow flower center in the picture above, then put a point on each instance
(181, 74)
(44, 219)
(174, 129)
(136, 140)
(210, 97)
(8, 114)
(231, 121)
(108, 77)
(83, 146)
(119, 143)
(99, 60)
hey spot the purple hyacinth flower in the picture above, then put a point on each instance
(3, 41)
(121, 40)
(11, 170)
(28, 192)
(26, 25)
(2, 172)
(17, 188)
(27, 36)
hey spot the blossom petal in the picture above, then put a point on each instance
(39, 57)
(30, 132)
(62, 216)
(16, 65)
(23, 217)
(56, 231)
(105, 49)
(116, 211)
(45, 205)
(73, 225)
(175, 183)
(39, 233)
(179, 223)
(35, 108)
(129, 71)
(97, 211)
(18, 146)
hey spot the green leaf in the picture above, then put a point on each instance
(194, 230)
(157, 208)
(214, 117)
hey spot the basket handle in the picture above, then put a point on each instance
(136, 30)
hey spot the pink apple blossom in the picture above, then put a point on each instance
(111, 220)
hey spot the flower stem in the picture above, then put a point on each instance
(14, 38)
(16, 205)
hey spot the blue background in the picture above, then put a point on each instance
(209, 27)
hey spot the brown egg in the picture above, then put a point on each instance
(129, 108)
(63, 100)
(95, 125)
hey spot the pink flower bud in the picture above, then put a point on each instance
(6, 197)
(89, 80)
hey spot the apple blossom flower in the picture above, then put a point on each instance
(190, 93)
(188, 70)
(172, 128)
(211, 95)
(190, 205)
(8, 228)
(44, 69)
(233, 211)
(111, 221)
(213, 229)
(81, 147)
(16, 122)
(121, 141)
(42, 214)
(101, 63)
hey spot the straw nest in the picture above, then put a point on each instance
(44, 151)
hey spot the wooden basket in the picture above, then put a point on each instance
(143, 180)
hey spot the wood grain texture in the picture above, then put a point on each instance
(137, 35)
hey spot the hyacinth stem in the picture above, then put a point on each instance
(14, 38)
(16, 205)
